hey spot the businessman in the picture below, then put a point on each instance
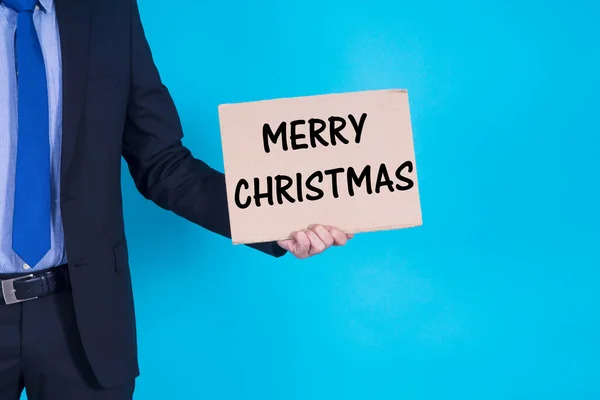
(78, 91)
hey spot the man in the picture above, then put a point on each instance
(78, 90)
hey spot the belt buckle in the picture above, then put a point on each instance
(9, 292)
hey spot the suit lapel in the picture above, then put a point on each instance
(74, 26)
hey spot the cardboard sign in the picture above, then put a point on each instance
(344, 160)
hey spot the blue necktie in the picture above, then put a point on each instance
(31, 222)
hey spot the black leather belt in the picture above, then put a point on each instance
(34, 285)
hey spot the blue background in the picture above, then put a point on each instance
(494, 297)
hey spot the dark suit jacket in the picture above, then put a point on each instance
(114, 104)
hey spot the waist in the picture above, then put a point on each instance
(20, 287)
(36, 271)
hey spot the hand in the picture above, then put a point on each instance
(314, 240)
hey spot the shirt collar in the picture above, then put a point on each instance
(46, 4)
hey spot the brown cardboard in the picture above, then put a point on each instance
(385, 138)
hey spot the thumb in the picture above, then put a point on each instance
(286, 244)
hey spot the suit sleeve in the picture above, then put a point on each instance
(163, 169)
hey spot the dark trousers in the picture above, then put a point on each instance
(40, 351)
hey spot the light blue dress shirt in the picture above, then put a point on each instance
(47, 27)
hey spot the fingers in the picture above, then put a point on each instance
(317, 245)
(324, 234)
(339, 237)
(314, 240)
(328, 235)
(302, 245)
